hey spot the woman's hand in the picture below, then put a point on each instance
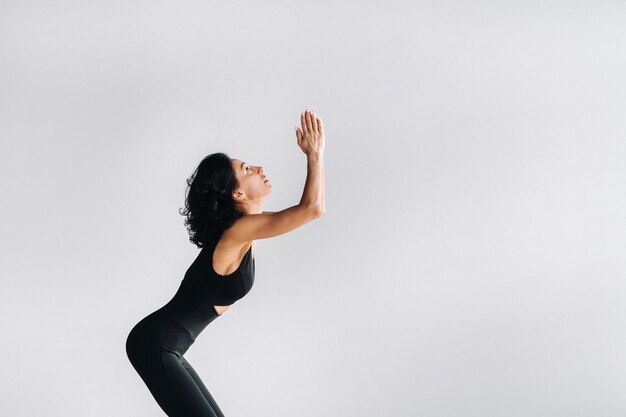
(311, 136)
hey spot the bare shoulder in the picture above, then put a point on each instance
(229, 252)
(229, 242)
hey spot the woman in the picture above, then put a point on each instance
(224, 217)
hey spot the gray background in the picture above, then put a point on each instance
(471, 261)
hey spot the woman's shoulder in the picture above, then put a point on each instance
(232, 247)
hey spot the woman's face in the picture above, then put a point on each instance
(252, 180)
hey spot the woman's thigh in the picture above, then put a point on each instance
(183, 391)
(202, 387)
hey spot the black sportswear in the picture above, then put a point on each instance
(155, 346)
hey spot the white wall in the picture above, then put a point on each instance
(471, 261)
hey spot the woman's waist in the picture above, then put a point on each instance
(168, 317)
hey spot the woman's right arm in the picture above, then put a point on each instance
(312, 141)
(270, 224)
(313, 194)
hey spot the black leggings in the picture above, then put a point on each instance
(155, 348)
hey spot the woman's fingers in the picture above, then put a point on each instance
(303, 122)
(314, 121)
(307, 119)
(313, 124)
(310, 122)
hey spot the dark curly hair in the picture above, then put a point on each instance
(209, 206)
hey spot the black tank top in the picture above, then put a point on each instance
(202, 288)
